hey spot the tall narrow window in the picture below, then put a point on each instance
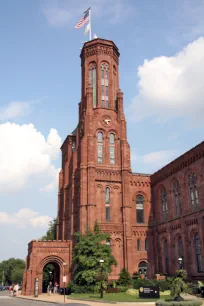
(166, 256)
(114, 87)
(104, 85)
(193, 190)
(146, 244)
(180, 250)
(112, 148)
(140, 209)
(92, 80)
(138, 244)
(176, 190)
(164, 204)
(100, 147)
(107, 203)
(198, 252)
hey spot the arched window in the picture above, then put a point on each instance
(164, 204)
(146, 244)
(180, 250)
(138, 244)
(140, 209)
(166, 256)
(92, 80)
(112, 148)
(107, 203)
(100, 147)
(176, 191)
(193, 190)
(104, 85)
(198, 252)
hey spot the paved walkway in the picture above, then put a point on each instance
(56, 298)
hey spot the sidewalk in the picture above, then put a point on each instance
(56, 298)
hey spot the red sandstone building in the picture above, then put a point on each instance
(152, 219)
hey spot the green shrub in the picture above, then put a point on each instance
(123, 288)
(124, 278)
(80, 289)
(182, 303)
(164, 285)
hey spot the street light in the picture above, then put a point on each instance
(101, 263)
(180, 260)
(64, 278)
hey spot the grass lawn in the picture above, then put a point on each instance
(112, 297)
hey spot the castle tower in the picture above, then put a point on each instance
(95, 177)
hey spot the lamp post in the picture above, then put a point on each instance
(180, 260)
(101, 263)
(64, 278)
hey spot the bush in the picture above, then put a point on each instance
(182, 303)
(164, 285)
(123, 288)
(80, 289)
(133, 292)
(124, 278)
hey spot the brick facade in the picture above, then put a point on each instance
(96, 181)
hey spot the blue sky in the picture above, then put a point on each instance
(161, 74)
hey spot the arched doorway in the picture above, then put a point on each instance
(51, 273)
(142, 267)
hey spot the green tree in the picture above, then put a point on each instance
(124, 278)
(51, 232)
(87, 252)
(13, 270)
(179, 285)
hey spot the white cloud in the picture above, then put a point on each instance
(153, 161)
(171, 87)
(24, 218)
(15, 109)
(25, 154)
(60, 13)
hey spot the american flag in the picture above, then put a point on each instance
(83, 20)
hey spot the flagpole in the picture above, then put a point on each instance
(90, 24)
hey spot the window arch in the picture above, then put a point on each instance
(140, 208)
(193, 190)
(92, 80)
(112, 148)
(104, 85)
(177, 200)
(198, 252)
(107, 203)
(100, 147)
(180, 250)
(166, 256)
(164, 204)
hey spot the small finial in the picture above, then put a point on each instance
(95, 36)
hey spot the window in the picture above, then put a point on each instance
(107, 203)
(193, 190)
(100, 147)
(140, 209)
(108, 243)
(104, 85)
(112, 148)
(198, 252)
(166, 256)
(138, 244)
(92, 80)
(146, 245)
(114, 87)
(180, 250)
(176, 191)
(164, 204)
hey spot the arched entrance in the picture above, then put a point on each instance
(142, 267)
(51, 273)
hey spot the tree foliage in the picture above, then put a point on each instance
(87, 252)
(124, 278)
(13, 270)
(51, 232)
(179, 285)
